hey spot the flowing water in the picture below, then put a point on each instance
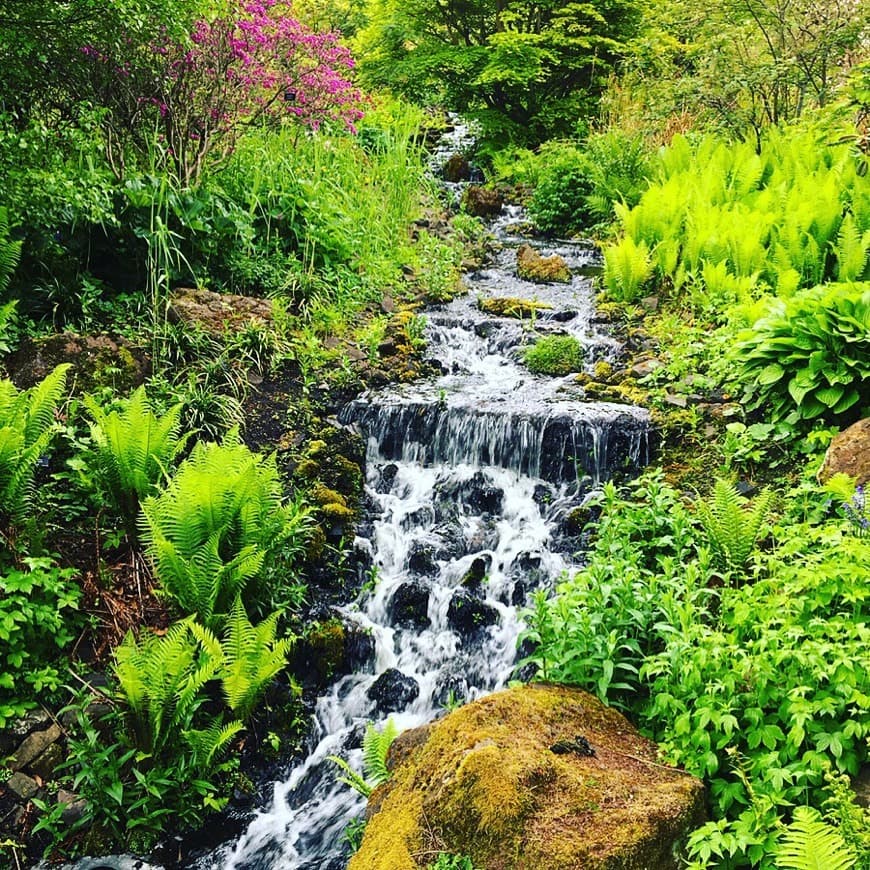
(469, 478)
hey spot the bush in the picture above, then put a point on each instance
(554, 355)
(809, 358)
(559, 204)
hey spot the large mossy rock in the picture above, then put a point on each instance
(531, 266)
(849, 453)
(505, 780)
(217, 313)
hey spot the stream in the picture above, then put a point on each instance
(470, 477)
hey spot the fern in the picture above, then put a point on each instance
(809, 843)
(134, 450)
(215, 529)
(376, 746)
(627, 268)
(852, 250)
(27, 426)
(249, 657)
(10, 252)
(732, 527)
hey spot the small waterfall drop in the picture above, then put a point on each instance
(469, 478)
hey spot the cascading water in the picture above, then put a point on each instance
(470, 475)
(469, 478)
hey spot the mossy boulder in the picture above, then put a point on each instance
(511, 306)
(494, 780)
(531, 266)
(849, 453)
(217, 313)
(482, 201)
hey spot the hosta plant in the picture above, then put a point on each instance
(809, 358)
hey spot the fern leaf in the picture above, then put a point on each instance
(809, 843)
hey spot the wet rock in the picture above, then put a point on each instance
(73, 806)
(512, 306)
(476, 574)
(421, 559)
(543, 495)
(531, 266)
(410, 605)
(468, 615)
(480, 495)
(481, 201)
(563, 316)
(451, 690)
(849, 453)
(519, 594)
(45, 764)
(487, 768)
(11, 737)
(217, 313)
(457, 168)
(386, 478)
(393, 691)
(359, 649)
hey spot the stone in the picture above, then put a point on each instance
(421, 559)
(409, 605)
(511, 306)
(457, 168)
(34, 745)
(11, 736)
(45, 764)
(73, 806)
(644, 367)
(480, 495)
(22, 786)
(485, 779)
(477, 572)
(676, 400)
(392, 691)
(468, 615)
(531, 266)
(217, 313)
(849, 453)
(482, 201)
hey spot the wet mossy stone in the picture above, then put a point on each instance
(512, 306)
(468, 616)
(485, 779)
(409, 606)
(392, 691)
(531, 266)
(482, 201)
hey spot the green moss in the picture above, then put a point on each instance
(325, 642)
(308, 469)
(486, 781)
(554, 355)
(512, 306)
(603, 371)
(324, 496)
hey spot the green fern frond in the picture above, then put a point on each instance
(351, 778)
(809, 843)
(376, 745)
(10, 252)
(732, 525)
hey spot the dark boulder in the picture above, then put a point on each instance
(421, 559)
(392, 691)
(468, 615)
(410, 605)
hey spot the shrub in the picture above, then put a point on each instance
(559, 203)
(809, 358)
(554, 355)
(38, 605)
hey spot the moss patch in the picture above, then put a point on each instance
(486, 783)
(511, 306)
(531, 266)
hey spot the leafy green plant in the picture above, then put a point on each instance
(554, 355)
(27, 426)
(810, 843)
(248, 657)
(38, 619)
(809, 358)
(559, 202)
(376, 745)
(627, 268)
(220, 525)
(451, 861)
(134, 449)
(10, 252)
(732, 526)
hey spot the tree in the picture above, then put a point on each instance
(528, 70)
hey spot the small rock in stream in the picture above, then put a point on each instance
(410, 605)
(392, 691)
(468, 615)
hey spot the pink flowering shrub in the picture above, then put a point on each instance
(200, 94)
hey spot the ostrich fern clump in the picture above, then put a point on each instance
(810, 843)
(732, 525)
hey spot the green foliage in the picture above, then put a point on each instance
(809, 843)
(627, 269)
(248, 657)
(809, 358)
(134, 449)
(758, 689)
(559, 203)
(220, 529)
(38, 619)
(376, 745)
(554, 355)
(27, 426)
(10, 252)
(732, 526)
(451, 861)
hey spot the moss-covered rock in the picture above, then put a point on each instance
(531, 266)
(849, 453)
(511, 306)
(490, 781)
(482, 201)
